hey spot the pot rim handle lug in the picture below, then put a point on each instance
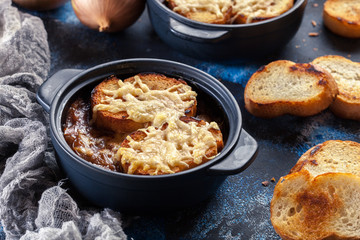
(52, 85)
(243, 154)
(188, 33)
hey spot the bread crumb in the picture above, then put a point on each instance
(313, 34)
(265, 183)
(313, 22)
(297, 46)
(349, 55)
(304, 40)
(315, 5)
(315, 49)
(273, 179)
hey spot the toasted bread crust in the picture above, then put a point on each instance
(342, 108)
(342, 17)
(305, 208)
(266, 95)
(347, 76)
(330, 156)
(139, 135)
(318, 199)
(119, 122)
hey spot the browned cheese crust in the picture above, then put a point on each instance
(119, 122)
(203, 15)
(259, 10)
(237, 11)
(140, 135)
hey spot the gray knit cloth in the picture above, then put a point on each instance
(33, 205)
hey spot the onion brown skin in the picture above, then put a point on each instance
(40, 5)
(108, 15)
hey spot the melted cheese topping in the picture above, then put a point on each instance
(145, 105)
(164, 150)
(217, 7)
(255, 8)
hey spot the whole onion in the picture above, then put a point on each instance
(108, 15)
(40, 5)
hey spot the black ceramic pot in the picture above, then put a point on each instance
(142, 193)
(224, 42)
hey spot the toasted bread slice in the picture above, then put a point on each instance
(343, 17)
(250, 11)
(122, 120)
(284, 87)
(347, 76)
(210, 11)
(172, 148)
(330, 156)
(324, 207)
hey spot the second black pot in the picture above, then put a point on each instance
(221, 41)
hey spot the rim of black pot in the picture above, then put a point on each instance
(64, 95)
(180, 18)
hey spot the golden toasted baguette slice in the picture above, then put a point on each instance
(176, 146)
(127, 108)
(250, 11)
(326, 207)
(343, 17)
(330, 156)
(347, 76)
(207, 11)
(284, 87)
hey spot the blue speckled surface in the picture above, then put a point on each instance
(240, 207)
(2, 234)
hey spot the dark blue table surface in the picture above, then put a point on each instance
(240, 208)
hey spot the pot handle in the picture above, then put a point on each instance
(239, 159)
(193, 34)
(51, 86)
